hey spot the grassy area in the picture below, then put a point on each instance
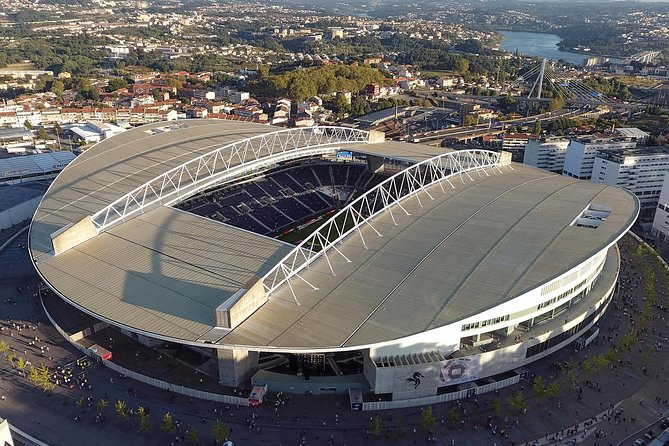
(639, 81)
(21, 66)
(438, 73)
(298, 235)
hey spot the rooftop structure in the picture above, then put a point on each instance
(661, 219)
(447, 247)
(546, 153)
(581, 153)
(633, 132)
(20, 169)
(640, 171)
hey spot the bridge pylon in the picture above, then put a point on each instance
(539, 82)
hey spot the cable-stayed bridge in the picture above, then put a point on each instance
(545, 77)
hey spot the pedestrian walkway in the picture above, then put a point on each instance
(639, 374)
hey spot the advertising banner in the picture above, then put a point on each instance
(458, 370)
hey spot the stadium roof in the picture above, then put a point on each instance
(469, 250)
(31, 165)
(164, 272)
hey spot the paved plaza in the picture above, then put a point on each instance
(611, 406)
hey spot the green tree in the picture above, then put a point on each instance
(342, 106)
(263, 71)
(537, 127)
(553, 389)
(27, 125)
(144, 424)
(377, 427)
(220, 432)
(496, 406)
(469, 120)
(42, 134)
(43, 380)
(360, 106)
(102, 405)
(453, 416)
(556, 104)
(517, 401)
(539, 387)
(3, 346)
(33, 375)
(462, 66)
(174, 83)
(427, 420)
(121, 410)
(507, 101)
(21, 363)
(117, 83)
(168, 423)
(192, 436)
(57, 129)
(57, 88)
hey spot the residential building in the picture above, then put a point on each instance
(16, 140)
(546, 153)
(580, 156)
(282, 111)
(19, 169)
(640, 171)
(633, 133)
(515, 141)
(94, 131)
(661, 221)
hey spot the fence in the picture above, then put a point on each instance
(659, 257)
(194, 393)
(428, 400)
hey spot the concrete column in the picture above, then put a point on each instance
(505, 158)
(235, 364)
(376, 137)
(375, 163)
(506, 331)
(72, 235)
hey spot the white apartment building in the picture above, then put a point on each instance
(580, 157)
(516, 141)
(661, 221)
(546, 153)
(640, 171)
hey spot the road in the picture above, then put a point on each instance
(320, 420)
(471, 132)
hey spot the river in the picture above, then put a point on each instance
(540, 45)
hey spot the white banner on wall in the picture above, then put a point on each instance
(458, 370)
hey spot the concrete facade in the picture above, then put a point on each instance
(234, 365)
(640, 171)
(580, 157)
(661, 220)
(18, 213)
(570, 318)
(546, 153)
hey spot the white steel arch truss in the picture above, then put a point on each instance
(381, 198)
(198, 173)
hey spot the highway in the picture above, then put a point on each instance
(471, 132)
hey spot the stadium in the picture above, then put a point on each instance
(327, 259)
